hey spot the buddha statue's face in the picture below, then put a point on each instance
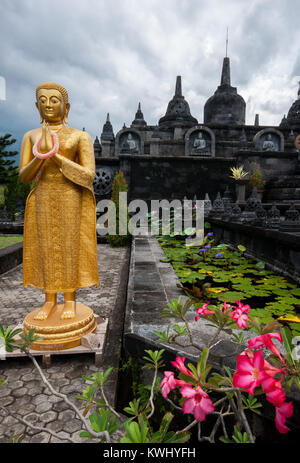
(51, 105)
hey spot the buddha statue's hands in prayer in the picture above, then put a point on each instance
(46, 142)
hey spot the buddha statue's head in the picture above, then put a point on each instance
(52, 103)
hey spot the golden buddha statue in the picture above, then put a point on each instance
(60, 243)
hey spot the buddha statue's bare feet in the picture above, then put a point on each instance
(44, 311)
(68, 310)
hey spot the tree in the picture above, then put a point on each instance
(7, 168)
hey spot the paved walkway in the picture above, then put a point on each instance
(24, 393)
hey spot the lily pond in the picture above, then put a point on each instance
(215, 272)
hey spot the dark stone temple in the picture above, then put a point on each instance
(182, 156)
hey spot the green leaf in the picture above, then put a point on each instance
(203, 359)
(86, 434)
(287, 341)
(241, 248)
(174, 438)
(165, 423)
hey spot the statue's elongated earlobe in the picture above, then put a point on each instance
(66, 120)
(41, 119)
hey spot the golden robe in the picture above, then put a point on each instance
(60, 241)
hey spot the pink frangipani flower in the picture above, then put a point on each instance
(198, 402)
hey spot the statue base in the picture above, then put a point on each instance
(60, 334)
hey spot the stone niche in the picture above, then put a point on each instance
(269, 140)
(200, 141)
(129, 141)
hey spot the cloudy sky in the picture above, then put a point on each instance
(112, 54)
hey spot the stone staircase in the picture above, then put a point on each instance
(285, 188)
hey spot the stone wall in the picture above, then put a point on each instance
(150, 177)
(10, 257)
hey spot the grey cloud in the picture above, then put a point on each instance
(112, 55)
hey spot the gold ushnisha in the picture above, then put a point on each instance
(60, 244)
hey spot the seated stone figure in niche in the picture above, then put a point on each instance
(129, 144)
(268, 144)
(200, 145)
(60, 243)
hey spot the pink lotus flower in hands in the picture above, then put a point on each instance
(203, 311)
(250, 372)
(179, 363)
(240, 317)
(198, 402)
(285, 410)
(265, 340)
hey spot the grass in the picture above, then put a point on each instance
(9, 240)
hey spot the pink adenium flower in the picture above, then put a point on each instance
(285, 410)
(225, 306)
(276, 396)
(240, 317)
(198, 402)
(245, 308)
(168, 383)
(203, 311)
(250, 372)
(179, 363)
(265, 340)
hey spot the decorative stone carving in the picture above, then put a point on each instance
(261, 214)
(207, 205)
(293, 117)
(178, 111)
(103, 181)
(269, 140)
(226, 197)
(225, 106)
(200, 141)
(253, 201)
(129, 141)
(227, 211)
(218, 205)
(291, 221)
(273, 217)
(139, 120)
(107, 131)
(236, 213)
(97, 148)
(248, 216)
